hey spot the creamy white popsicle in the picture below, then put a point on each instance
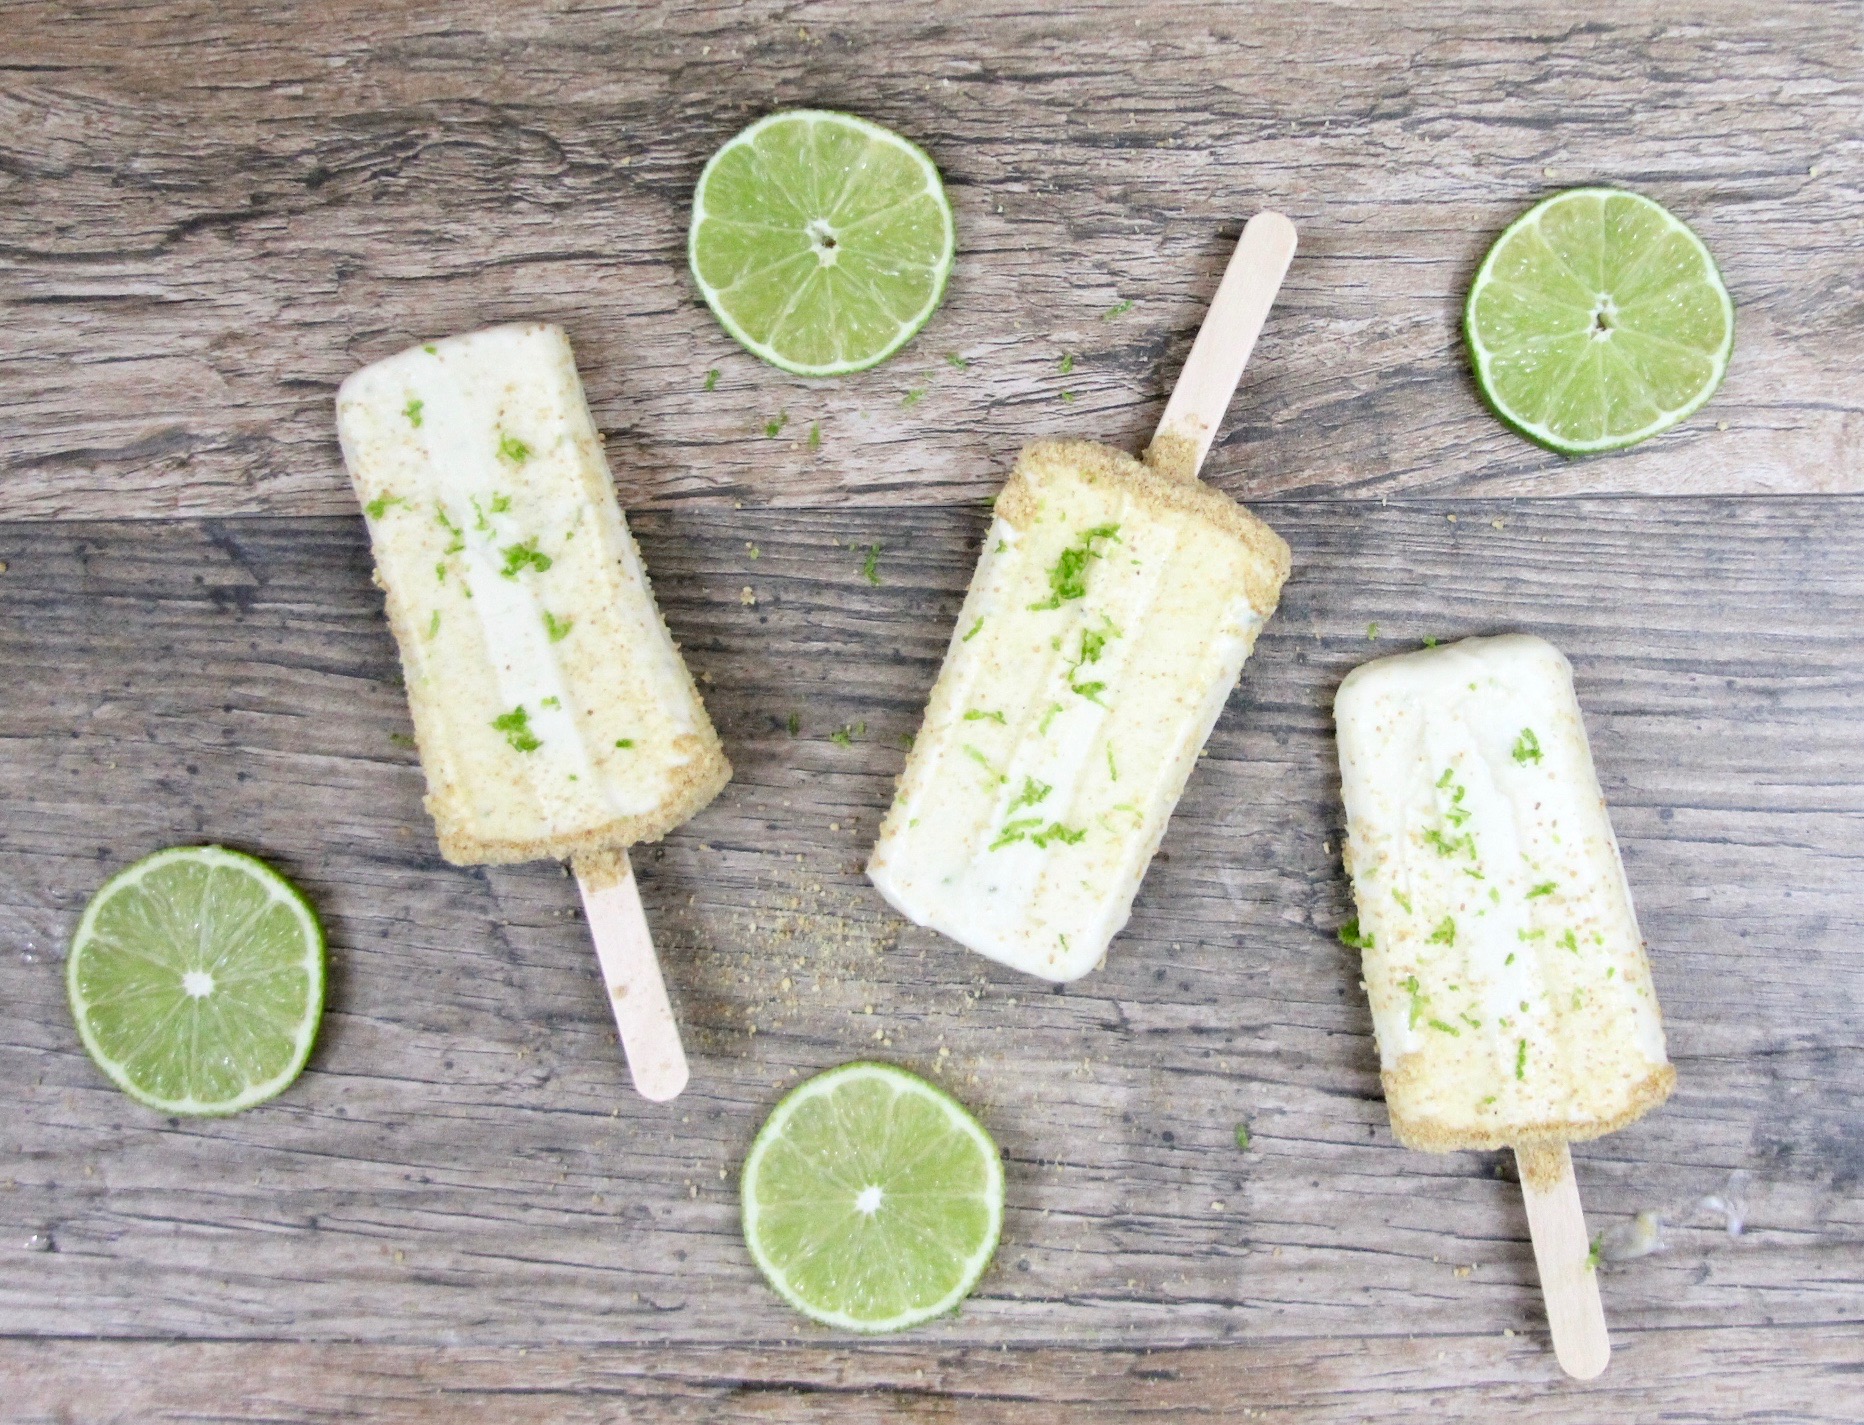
(1108, 619)
(1107, 622)
(553, 713)
(1510, 991)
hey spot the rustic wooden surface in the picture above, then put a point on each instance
(213, 212)
(464, 1163)
(209, 215)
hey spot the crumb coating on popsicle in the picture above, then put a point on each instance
(1108, 618)
(1510, 988)
(553, 713)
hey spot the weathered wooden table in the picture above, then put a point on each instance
(212, 212)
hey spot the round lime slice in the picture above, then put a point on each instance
(822, 242)
(1596, 321)
(872, 1200)
(197, 980)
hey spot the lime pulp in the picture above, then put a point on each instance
(821, 242)
(872, 1199)
(196, 977)
(1597, 320)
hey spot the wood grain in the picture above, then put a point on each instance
(463, 1165)
(1681, 1376)
(209, 214)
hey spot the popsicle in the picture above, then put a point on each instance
(1108, 618)
(554, 715)
(1511, 996)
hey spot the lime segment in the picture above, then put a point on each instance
(822, 242)
(872, 1199)
(1597, 320)
(196, 977)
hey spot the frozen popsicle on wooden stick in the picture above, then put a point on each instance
(553, 713)
(1510, 992)
(1108, 619)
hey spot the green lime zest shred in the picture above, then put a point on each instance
(1352, 937)
(381, 505)
(1032, 793)
(519, 557)
(516, 725)
(1068, 578)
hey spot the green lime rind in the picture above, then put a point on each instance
(1571, 266)
(763, 208)
(194, 911)
(916, 1257)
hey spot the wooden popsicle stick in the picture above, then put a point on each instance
(650, 1036)
(1569, 1280)
(1223, 344)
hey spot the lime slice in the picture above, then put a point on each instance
(1596, 321)
(197, 979)
(872, 1200)
(821, 241)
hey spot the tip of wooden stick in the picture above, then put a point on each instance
(661, 1081)
(1585, 1359)
(1272, 227)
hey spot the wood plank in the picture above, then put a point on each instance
(213, 213)
(1800, 1373)
(465, 1164)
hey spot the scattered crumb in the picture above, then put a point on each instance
(1627, 1241)
(1719, 425)
(1498, 524)
(1216, 1204)
(747, 597)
